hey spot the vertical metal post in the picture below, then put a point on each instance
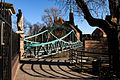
(10, 55)
(2, 43)
(81, 58)
(47, 36)
(36, 51)
(42, 38)
(1, 54)
(118, 29)
(36, 46)
(73, 37)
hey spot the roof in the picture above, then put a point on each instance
(98, 29)
(9, 6)
(60, 21)
(76, 27)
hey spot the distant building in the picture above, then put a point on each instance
(86, 37)
(60, 32)
(95, 42)
(99, 34)
(71, 21)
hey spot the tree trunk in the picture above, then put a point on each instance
(113, 50)
(113, 4)
(110, 28)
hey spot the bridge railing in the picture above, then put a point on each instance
(88, 62)
(56, 45)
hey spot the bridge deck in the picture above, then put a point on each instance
(49, 69)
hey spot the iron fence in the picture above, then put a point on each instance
(9, 46)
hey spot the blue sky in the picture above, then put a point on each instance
(34, 9)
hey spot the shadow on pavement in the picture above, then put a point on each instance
(55, 73)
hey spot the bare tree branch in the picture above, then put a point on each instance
(87, 15)
(50, 16)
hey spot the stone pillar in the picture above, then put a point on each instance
(20, 32)
(21, 44)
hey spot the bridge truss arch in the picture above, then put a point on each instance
(50, 44)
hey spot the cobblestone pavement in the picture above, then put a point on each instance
(50, 69)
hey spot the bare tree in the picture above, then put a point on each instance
(111, 23)
(51, 15)
(27, 25)
(14, 25)
(36, 29)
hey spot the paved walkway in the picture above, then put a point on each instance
(50, 69)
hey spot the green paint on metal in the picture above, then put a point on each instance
(52, 45)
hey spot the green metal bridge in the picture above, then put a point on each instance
(51, 47)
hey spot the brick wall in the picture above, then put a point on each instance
(15, 63)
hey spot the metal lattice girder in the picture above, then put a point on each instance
(55, 45)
